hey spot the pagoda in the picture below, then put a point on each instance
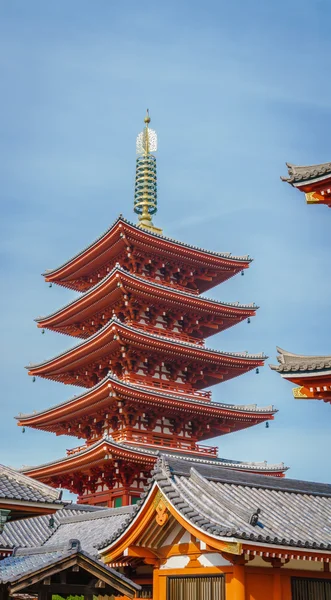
(313, 180)
(140, 324)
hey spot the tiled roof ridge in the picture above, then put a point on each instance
(72, 547)
(259, 480)
(306, 172)
(171, 341)
(289, 361)
(112, 377)
(119, 269)
(226, 255)
(200, 481)
(15, 475)
(163, 476)
(100, 514)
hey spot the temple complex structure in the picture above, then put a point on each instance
(312, 374)
(313, 180)
(141, 359)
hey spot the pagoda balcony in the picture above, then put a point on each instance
(174, 335)
(170, 442)
(162, 385)
(171, 284)
(155, 441)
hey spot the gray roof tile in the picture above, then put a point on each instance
(90, 528)
(306, 173)
(295, 363)
(35, 531)
(221, 501)
(16, 486)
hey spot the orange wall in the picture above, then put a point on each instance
(260, 583)
(259, 587)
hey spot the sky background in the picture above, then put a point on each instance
(235, 89)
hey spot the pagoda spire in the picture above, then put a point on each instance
(145, 195)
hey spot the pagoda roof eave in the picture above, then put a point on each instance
(147, 454)
(300, 175)
(301, 365)
(187, 297)
(53, 274)
(89, 453)
(180, 345)
(251, 410)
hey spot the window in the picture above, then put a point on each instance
(134, 499)
(310, 589)
(118, 502)
(196, 588)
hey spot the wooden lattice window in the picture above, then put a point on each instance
(196, 588)
(310, 589)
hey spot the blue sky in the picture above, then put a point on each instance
(235, 90)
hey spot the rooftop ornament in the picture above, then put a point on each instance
(145, 196)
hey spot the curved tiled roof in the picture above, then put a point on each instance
(154, 284)
(89, 528)
(306, 173)
(112, 378)
(151, 235)
(293, 363)
(35, 531)
(152, 336)
(16, 486)
(222, 502)
(231, 464)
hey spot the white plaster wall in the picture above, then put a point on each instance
(213, 560)
(176, 562)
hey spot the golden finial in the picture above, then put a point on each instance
(145, 197)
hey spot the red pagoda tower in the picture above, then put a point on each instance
(141, 355)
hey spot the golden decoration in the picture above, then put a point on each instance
(299, 394)
(313, 198)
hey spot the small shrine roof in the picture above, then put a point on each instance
(299, 363)
(235, 306)
(78, 521)
(113, 379)
(301, 174)
(35, 531)
(222, 502)
(20, 492)
(89, 528)
(142, 451)
(27, 562)
(114, 322)
(149, 235)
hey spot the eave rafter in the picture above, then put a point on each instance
(112, 404)
(128, 297)
(118, 348)
(83, 467)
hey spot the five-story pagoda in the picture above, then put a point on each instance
(141, 358)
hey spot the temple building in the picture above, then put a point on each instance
(205, 532)
(141, 359)
(312, 374)
(313, 180)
